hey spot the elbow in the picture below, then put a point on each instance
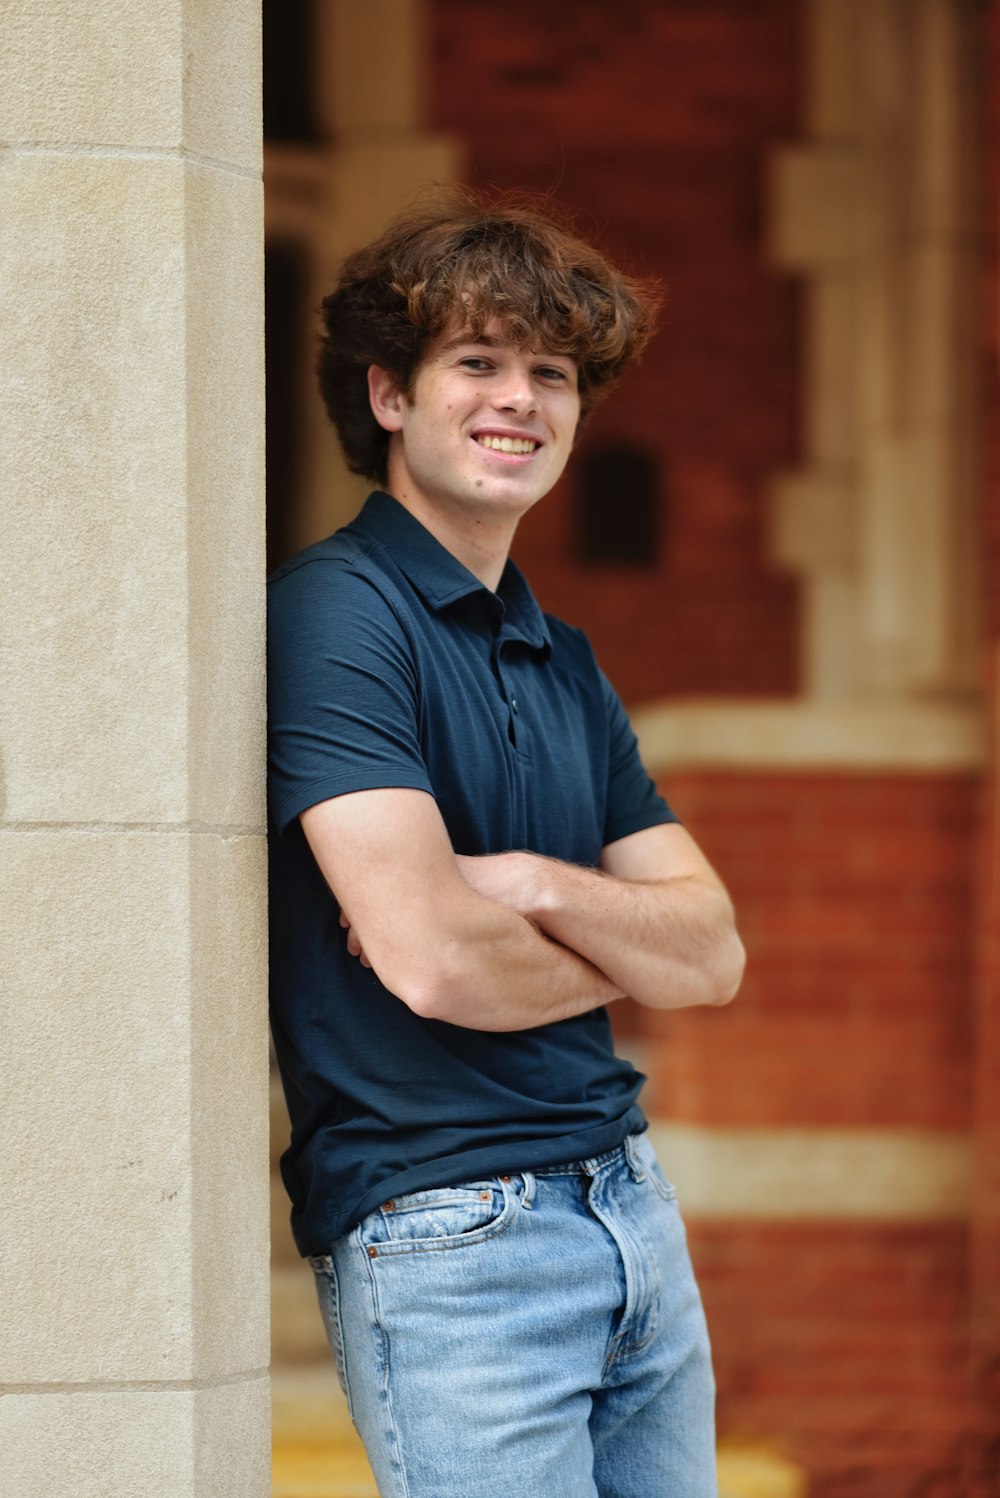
(722, 973)
(432, 991)
(710, 981)
(723, 983)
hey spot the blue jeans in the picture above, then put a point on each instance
(540, 1333)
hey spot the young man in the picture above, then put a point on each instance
(469, 865)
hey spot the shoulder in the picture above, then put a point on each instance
(573, 653)
(340, 581)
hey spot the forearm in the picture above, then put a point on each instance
(499, 972)
(669, 943)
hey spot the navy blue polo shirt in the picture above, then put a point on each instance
(390, 664)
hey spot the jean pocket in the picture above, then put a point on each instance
(645, 1157)
(445, 1218)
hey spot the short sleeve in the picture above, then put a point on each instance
(633, 802)
(342, 691)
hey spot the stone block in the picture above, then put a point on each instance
(834, 344)
(375, 180)
(134, 74)
(224, 253)
(813, 520)
(939, 354)
(230, 1179)
(220, 77)
(142, 1443)
(891, 1175)
(832, 95)
(945, 193)
(134, 1098)
(817, 207)
(371, 56)
(105, 716)
(859, 734)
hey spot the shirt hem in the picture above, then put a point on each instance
(486, 1161)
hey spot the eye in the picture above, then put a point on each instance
(552, 374)
(475, 363)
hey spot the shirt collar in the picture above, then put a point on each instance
(440, 578)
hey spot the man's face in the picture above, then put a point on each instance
(487, 428)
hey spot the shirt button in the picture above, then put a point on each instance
(513, 703)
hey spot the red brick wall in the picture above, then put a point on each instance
(845, 1343)
(855, 901)
(653, 120)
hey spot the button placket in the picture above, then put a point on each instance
(509, 696)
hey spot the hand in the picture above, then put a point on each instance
(353, 945)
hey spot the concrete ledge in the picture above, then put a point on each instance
(886, 1175)
(856, 736)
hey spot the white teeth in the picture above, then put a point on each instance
(508, 444)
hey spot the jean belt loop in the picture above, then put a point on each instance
(528, 1187)
(632, 1156)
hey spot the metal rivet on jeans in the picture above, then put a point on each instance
(373, 1253)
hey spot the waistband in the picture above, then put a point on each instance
(622, 1154)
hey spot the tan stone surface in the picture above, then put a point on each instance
(108, 271)
(229, 1104)
(896, 1175)
(169, 1443)
(134, 1101)
(831, 104)
(225, 477)
(833, 413)
(817, 206)
(221, 80)
(374, 180)
(747, 1471)
(371, 56)
(847, 734)
(878, 210)
(813, 522)
(133, 73)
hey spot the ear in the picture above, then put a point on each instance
(387, 400)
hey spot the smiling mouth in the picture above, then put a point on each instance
(508, 444)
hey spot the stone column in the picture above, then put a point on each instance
(877, 212)
(133, 1269)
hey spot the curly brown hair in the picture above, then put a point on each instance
(485, 258)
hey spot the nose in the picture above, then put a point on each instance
(515, 390)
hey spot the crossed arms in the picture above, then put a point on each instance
(514, 940)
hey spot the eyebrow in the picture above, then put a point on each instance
(486, 340)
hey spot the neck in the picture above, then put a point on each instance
(480, 542)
